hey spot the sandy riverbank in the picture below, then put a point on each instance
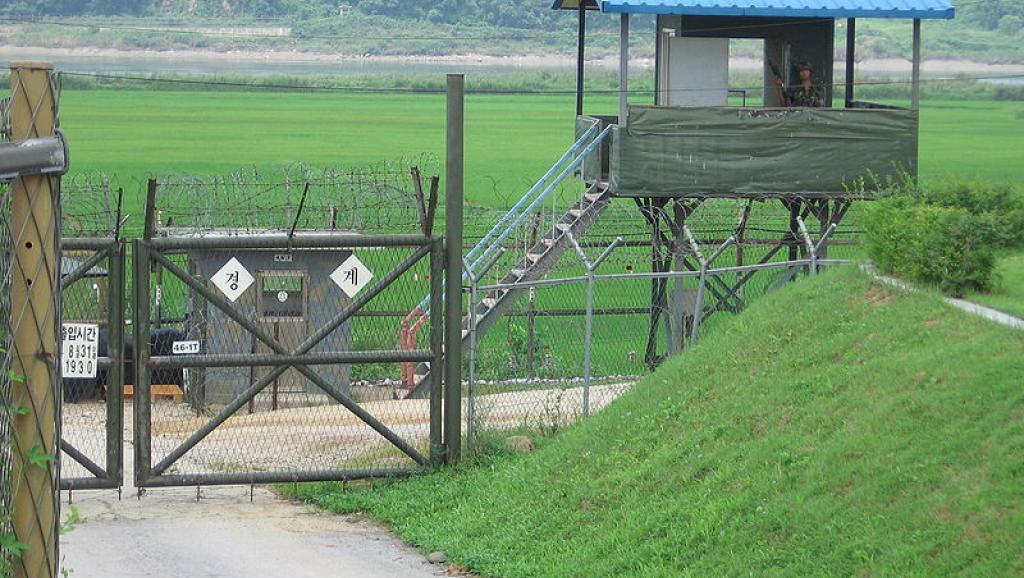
(876, 66)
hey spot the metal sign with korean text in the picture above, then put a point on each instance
(79, 350)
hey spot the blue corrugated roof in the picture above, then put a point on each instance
(782, 8)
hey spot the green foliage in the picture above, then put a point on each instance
(1009, 92)
(872, 441)
(39, 458)
(1008, 293)
(1011, 24)
(943, 246)
(71, 522)
(1001, 205)
(989, 14)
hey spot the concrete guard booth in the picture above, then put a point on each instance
(691, 143)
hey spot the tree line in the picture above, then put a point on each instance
(1004, 15)
(528, 14)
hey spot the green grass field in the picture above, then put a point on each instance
(896, 453)
(510, 140)
(1008, 295)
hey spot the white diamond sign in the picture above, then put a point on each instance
(232, 279)
(352, 276)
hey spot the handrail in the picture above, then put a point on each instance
(491, 241)
(586, 152)
(519, 204)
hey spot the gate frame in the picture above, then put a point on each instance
(149, 252)
(111, 249)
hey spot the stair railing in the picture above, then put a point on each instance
(492, 243)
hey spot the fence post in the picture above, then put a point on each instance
(453, 269)
(471, 393)
(588, 338)
(436, 347)
(588, 332)
(698, 310)
(812, 250)
(35, 315)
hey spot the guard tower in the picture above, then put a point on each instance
(695, 150)
(692, 146)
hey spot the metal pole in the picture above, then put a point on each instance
(453, 267)
(915, 90)
(588, 332)
(471, 393)
(588, 337)
(623, 67)
(115, 373)
(437, 348)
(581, 38)
(812, 266)
(141, 407)
(35, 313)
(698, 310)
(851, 51)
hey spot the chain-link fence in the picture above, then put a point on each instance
(6, 256)
(29, 336)
(287, 420)
(617, 303)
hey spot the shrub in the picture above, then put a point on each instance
(948, 247)
(1009, 92)
(1010, 24)
(1001, 204)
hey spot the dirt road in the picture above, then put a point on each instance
(167, 534)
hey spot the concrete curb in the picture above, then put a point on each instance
(962, 304)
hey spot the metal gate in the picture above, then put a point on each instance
(274, 357)
(92, 300)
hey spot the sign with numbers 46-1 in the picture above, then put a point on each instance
(80, 346)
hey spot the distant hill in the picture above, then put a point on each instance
(985, 30)
(1005, 15)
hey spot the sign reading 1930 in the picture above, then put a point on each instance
(79, 349)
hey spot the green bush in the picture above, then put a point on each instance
(948, 247)
(1000, 204)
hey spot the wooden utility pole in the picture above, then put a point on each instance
(35, 315)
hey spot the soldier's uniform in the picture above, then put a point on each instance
(798, 97)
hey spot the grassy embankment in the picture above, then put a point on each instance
(1008, 294)
(837, 428)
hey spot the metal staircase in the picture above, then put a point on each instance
(536, 262)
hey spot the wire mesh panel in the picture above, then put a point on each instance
(6, 256)
(638, 286)
(277, 358)
(31, 310)
(92, 304)
(92, 301)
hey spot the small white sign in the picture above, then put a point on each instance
(185, 348)
(352, 276)
(79, 350)
(233, 279)
(282, 296)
